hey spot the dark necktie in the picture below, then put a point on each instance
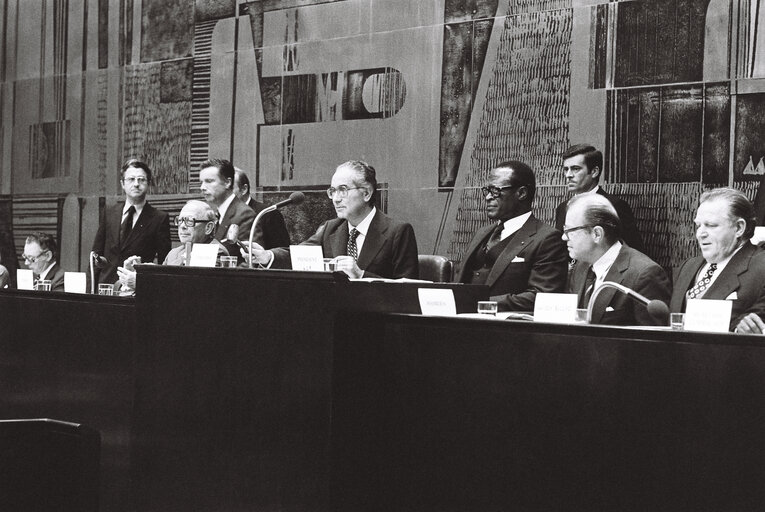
(352, 251)
(589, 285)
(703, 283)
(127, 225)
(494, 239)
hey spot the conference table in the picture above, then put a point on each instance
(238, 389)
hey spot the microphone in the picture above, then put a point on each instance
(294, 198)
(656, 308)
(93, 261)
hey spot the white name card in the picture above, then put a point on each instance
(203, 255)
(708, 315)
(307, 257)
(25, 279)
(555, 308)
(75, 282)
(437, 301)
(759, 235)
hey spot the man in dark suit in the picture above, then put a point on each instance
(518, 255)
(591, 232)
(583, 165)
(133, 227)
(40, 257)
(730, 267)
(271, 231)
(363, 241)
(217, 185)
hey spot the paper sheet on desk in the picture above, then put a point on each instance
(384, 280)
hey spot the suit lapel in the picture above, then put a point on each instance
(139, 225)
(373, 241)
(338, 239)
(728, 282)
(683, 283)
(516, 245)
(616, 275)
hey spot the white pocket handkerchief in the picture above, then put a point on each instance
(732, 296)
(518, 260)
(609, 308)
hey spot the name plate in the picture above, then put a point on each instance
(437, 302)
(307, 257)
(555, 308)
(25, 279)
(75, 282)
(203, 255)
(708, 315)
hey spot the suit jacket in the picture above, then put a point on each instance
(149, 239)
(236, 213)
(630, 234)
(744, 274)
(515, 284)
(56, 278)
(271, 231)
(389, 250)
(634, 270)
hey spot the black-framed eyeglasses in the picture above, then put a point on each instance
(32, 259)
(189, 222)
(566, 231)
(139, 180)
(342, 191)
(496, 191)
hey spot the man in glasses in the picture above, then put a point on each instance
(363, 241)
(592, 231)
(583, 166)
(40, 257)
(518, 255)
(133, 227)
(196, 224)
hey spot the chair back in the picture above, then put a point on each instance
(435, 268)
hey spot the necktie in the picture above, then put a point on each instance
(127, 225)
(494, 239)
(703, 283)
(589, 286)
(352, 251)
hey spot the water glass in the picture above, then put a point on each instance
(677, 321)
(43, 285)
(105, 289)
(487, 307)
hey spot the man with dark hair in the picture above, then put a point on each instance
(133, 227)
(591, 232)
(583, 166)
(217, 186)
(730, 267)
(518, 256)
(271, 231)
(40, 257)
(363, 241)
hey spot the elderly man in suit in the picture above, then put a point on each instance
(583, 166)
(518, 256)
(730, 267)
(132, 227)
(271, 230)
(40, 257)
(363, 241)
(591, 232)
(217, 186)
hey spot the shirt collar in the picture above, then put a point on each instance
(44, 273)
(721, 265)
(138, 208)
(363, 226)
(513, 225)
(224, 206)
(594, 190)
(604, 263)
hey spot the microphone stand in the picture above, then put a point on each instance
(92, 258)
(262, 212)
(610, 284)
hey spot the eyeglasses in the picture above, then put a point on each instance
(342, 191)
(32, 259)
(131, 180)
(189, 222)
(495, 191)
(577, 228)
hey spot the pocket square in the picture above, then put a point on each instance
(609, 308)
(732, 296)
(517, 260)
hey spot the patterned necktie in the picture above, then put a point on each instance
(352, 251)
(703, 283)
(127, 225)
(589, 286)
(494, 239)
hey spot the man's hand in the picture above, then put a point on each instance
(255, 251)
(751, 324)
(127, 277)
(130, 262)
(348, 265)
